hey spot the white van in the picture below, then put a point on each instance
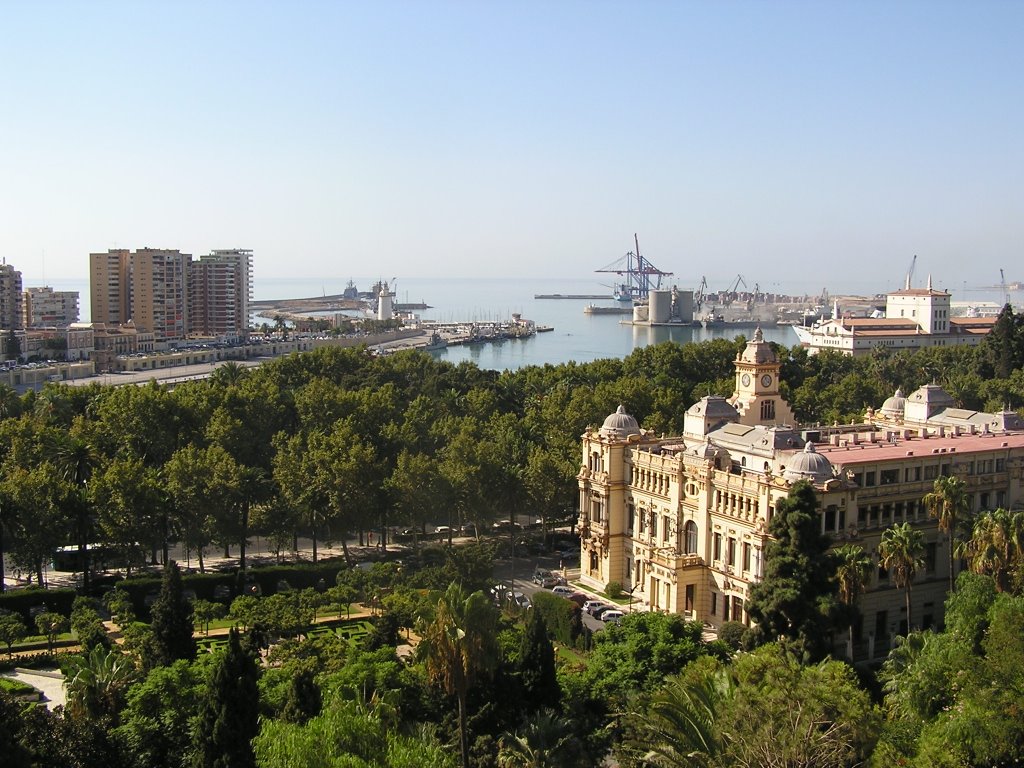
(612, 617)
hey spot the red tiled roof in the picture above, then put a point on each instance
(870, 453)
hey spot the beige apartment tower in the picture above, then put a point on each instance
(148, 286)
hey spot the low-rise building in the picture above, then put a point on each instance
(915, 318)
(682, 522)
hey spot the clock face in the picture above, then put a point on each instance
(766, 380)
(745, 379)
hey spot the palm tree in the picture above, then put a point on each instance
(996, 545)
(75, 459)
(98, 682)
(948, 502)
(900, 552)
(229, 374)
(853, 569)
(546, 740)
(459, 645)
(677, 727)
(10, 402)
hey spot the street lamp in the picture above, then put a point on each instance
(631, 591)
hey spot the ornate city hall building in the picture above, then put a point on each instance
(681, 522)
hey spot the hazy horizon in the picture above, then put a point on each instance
(781, 141)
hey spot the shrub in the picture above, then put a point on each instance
(614, 590)
(731, 633)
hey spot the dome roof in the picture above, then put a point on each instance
(620, 424)
(893, 406)
(809, 465)
(706, 450)
(758, 350)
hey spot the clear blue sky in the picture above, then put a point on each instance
(828, 141)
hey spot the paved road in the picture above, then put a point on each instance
(524, 568)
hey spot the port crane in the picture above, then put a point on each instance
(641, 276)
(910, 271)
(701, 294)
(1007, 300)
(731, 295)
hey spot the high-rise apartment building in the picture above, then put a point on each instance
(47, 308)
(11, 313)
(220, 288)
(108, 286)
(148, 286)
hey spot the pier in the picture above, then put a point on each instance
(573, 296)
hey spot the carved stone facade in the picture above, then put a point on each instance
(681, 522)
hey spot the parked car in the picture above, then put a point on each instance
(562, 590)
(598, 612)
(443, 530)
(591, 605)
(612, 616)
(539, 574)
(518, 598)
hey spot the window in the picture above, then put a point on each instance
(593, 561)
(731, 552)
(664, 529)
(931, 550)
(737, 609)
(931, 472)
(890, 476)
(690, 595)
(869, 479)
(714, 603)
(718, 547)
(746, 555)
(631, 511)
(654, 526)
(767, 409)
(690, 537)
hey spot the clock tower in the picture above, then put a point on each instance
(757, 398)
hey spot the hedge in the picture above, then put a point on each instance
(557, 613)
(21, 601)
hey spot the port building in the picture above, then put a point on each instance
(682, 522)
(915, 318)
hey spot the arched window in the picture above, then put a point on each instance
(690, 537)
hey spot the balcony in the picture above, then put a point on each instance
(668, 558)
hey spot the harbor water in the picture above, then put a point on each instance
(576, 335)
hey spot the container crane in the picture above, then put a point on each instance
(1004, 288)
(641, 277)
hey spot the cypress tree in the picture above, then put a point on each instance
(171, 616)
(304, 699)
(537, 666)
(797, 601)
(229, 715)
